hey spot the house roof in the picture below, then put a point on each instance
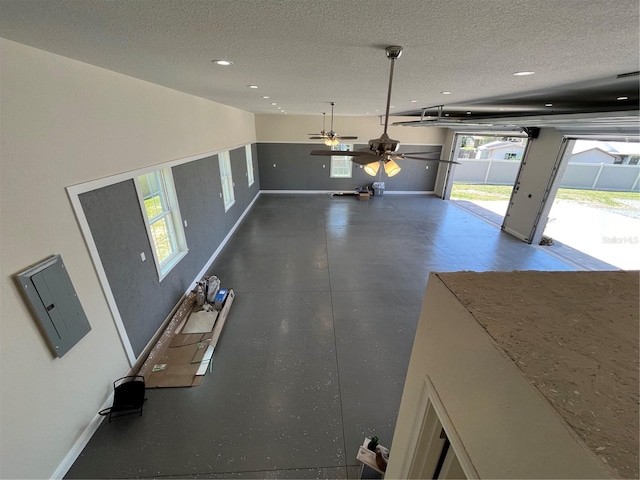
(499, 144)
(303, 54)
(595, 149)
(613, 148)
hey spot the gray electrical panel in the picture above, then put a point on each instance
(55, 304)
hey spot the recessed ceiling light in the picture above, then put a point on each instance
(414, 101)
(252, 86)
(273, 103)
(265, 96)
(446, 92)
(446, 114)
(222, 62)
(548, 104)
(366, 113)
(522, 74)
(622, 98)
(392, 106)
(468, 113)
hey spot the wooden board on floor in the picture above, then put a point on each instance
(180, 360)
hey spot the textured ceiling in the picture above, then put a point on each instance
(303, 54)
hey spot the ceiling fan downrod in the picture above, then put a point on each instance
(392, 52)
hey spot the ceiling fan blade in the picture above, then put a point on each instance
(420, 153)
(341, 137)
(441, 160)
(362, 160)
(343, 153)
(317, 138)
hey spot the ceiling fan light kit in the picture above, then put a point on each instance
(380, 149)
(391, 168)
(330, 138)
(372, 168)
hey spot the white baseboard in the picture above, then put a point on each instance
(221, 246)
(83, 440)
(408, 192)
(330, 192)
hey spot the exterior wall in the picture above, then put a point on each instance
(499, 153)
(64, 123)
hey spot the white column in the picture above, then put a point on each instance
(540, 167)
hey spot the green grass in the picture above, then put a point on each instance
(463, 191)
(592, 198)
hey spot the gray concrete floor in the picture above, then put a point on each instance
(315, 350)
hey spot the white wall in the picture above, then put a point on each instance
(507, 429)
(64, 123)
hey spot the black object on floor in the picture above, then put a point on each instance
(128, 397)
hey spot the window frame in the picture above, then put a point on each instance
(249, 158)
(170, 213)
(341, 158)
(226, 179)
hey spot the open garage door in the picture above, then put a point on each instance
(486, 174)
(596, 207)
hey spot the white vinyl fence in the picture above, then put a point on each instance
(585, 176)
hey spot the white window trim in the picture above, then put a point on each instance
(419, 454)
(339, 158)
(249, 157)
(224, 161)
(176, 219)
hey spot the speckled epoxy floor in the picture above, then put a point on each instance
(315, 350)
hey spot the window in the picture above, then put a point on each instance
(247, 155)
(162, 216)
(224, 160)
(341, 166)
(510, 156)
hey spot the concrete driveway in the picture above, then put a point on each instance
(609, 236)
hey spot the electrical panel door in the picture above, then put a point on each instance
(55, 304)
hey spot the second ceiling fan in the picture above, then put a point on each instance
(382, 150)
(330, 138)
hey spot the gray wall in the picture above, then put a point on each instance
(296, 169)
(118, 229)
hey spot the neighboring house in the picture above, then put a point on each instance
(623, 153)
(500, 150)
(593, 155)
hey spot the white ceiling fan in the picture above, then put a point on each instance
(382, 150)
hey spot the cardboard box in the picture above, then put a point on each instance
(363, 196)
(185, 358)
